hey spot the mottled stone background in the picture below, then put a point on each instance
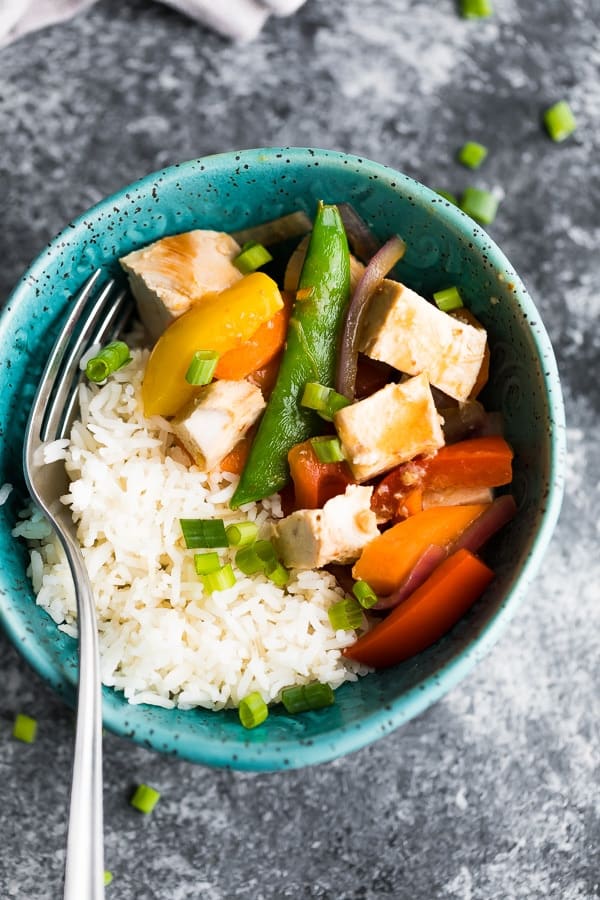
(492, 794)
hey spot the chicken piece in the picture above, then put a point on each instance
(211, 425)
(390, 427)
(337, 533)
(404, 330)
(170, 275)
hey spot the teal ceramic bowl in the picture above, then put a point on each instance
(228, 192)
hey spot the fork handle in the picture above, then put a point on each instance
(84, 867)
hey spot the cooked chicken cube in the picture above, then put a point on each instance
(390, 427)
(169, 276)
(337, 533)
(210, 425)
(404, 330)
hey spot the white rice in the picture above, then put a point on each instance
(163, 639)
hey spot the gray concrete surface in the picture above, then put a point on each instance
(492, 794)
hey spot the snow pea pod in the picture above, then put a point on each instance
(310, 355)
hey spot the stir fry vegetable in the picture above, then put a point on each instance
(310, 355)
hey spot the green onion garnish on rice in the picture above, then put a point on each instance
(252, 256)
(108, 360)
(323, 400)
(304, 697)
(199, 533)
(277, 573)
(327, 449)
(241, 533)
(365, 594)
(220, 579)
(448, 299)
(25, 728)
(205, 563)
(345, 615)
(248, 561)
(202, 367)
(252, 710)
(145, 798)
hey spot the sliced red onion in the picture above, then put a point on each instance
(420, 572)
(501, 511)
(463, 421)
(363, 242)
(379, 266)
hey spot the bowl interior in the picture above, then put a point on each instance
(228, 192)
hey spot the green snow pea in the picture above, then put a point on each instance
(310, 355)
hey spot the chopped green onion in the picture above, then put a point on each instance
(220, 579)
(323, 400)
(203, 533)
(476, 9)
(265, 551)
(252, 710)
(365, 594)
(472, 154)
(252, 257)
(202, 367)
(108, 360)
(304, 697)
(560, 121)
(448, 299)
(327, 449)
(145, 798)
(242, 533)
(108, 877)
(345, 615)
(206, 563)
(277, 573)
(447, 196)
(248, 561)
(480, 205)
(25, 728)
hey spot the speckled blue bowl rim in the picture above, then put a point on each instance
(346, 739)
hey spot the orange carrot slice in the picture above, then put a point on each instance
(427, 614)
(481, 462)
(315, 482)
(386, 561)
(259, 349)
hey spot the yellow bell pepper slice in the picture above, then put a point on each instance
(218, 322)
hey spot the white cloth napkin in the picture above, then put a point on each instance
(240, 20)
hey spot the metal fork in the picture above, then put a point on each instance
(97, 314)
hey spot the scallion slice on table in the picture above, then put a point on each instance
(252, 710)
(365, 594)
(107, 360)
(205, 563)
(145, 798)
(241, 533)
(304, 697)
(345, 615)
(202, 367)
(559, 121)
(322, 399)
(219, 579)
(108, 877)
(448, 299)
(327, 449)
(253, 255)
(476, 9)
(472, 154)
(480, 205)
(447, 196)
(198, 533)
(25, 728)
